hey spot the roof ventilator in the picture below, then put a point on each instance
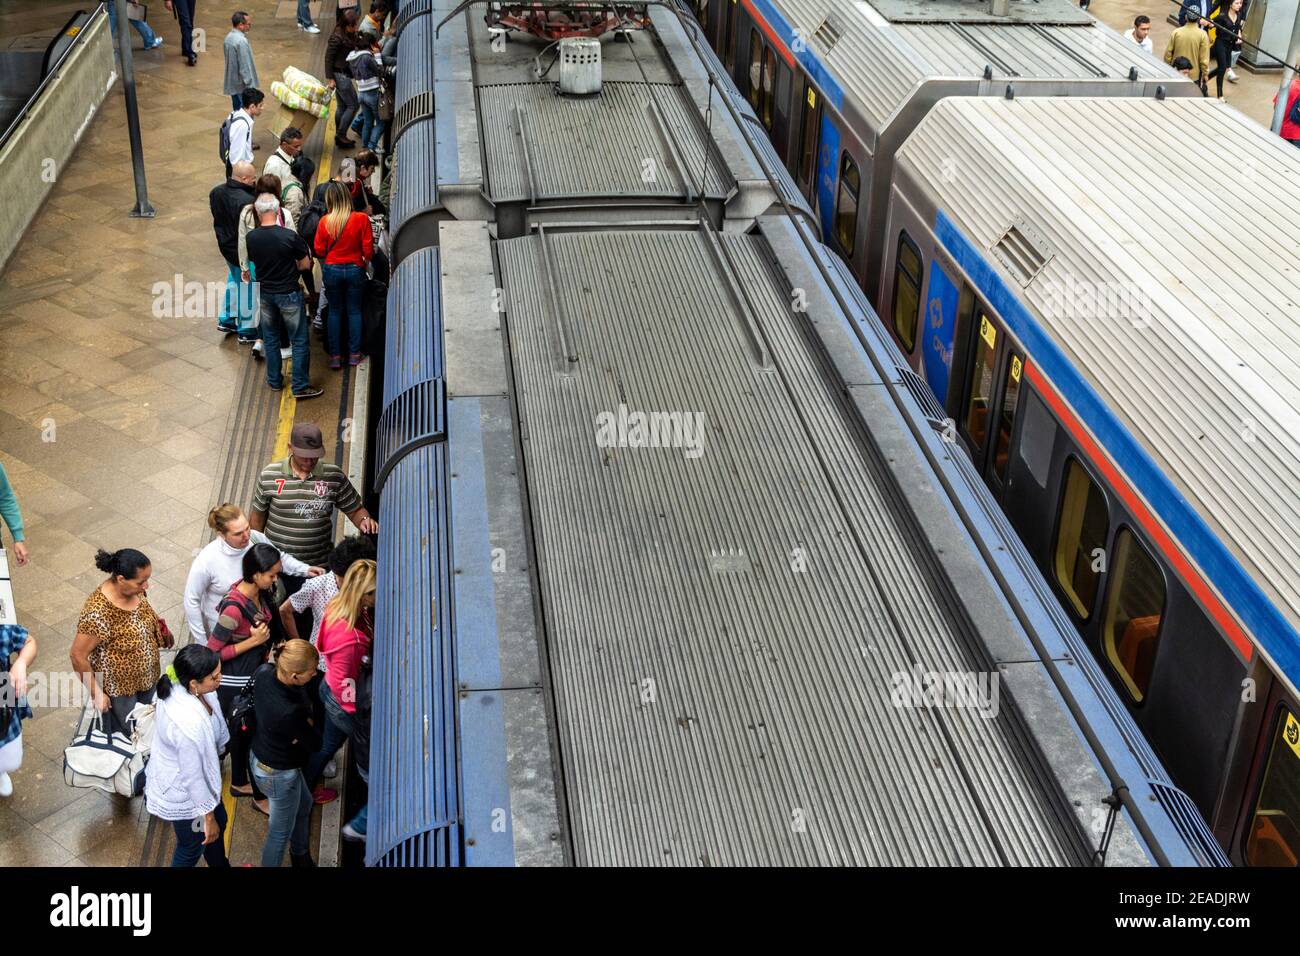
(829, 33)
(579, 66)
(1022, 250)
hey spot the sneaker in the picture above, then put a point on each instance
(275, 388)
(286, 353)
(6, 785)
(309, 29)
(355, 358)
(324, 795)
(157, 42)
(352, 835)
(252, 340)
(336, 362)
(227, 329)
(309, 392)
(1232, 76)
(331, 769)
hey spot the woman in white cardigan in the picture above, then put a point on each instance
(220, 563)
(183, 778)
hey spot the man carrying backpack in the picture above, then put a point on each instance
(235, 143)
(227, 203)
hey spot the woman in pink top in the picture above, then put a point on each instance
(346, 636)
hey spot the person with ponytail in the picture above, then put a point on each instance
(220, 564)
(119, 635)
(344, 244)
(284, 738)
(183, 778)
(241, 634)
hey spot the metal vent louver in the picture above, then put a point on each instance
(410, 10)
(829, 33)
(418, 107)
(1190, 824)
(416, 417)
(923, 394)
(1023, 250)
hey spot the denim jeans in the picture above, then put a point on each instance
(142, 28)
(239, 301)
(347, 97)
(291, 804)
(286, 307)
(304, 14)
(189, 841)
(372, 127)
(345, 286)
(334, 732)
(339, 721)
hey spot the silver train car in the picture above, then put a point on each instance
(1134, 410)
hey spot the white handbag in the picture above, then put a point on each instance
(98, 760)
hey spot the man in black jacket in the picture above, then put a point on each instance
(227, 202)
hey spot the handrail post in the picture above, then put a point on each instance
(142, 208)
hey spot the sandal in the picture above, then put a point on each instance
(236, 792)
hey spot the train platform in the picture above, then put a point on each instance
(124, 416)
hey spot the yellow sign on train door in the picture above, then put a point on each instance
(1015, 368)
(812, 98)
(988, 333)
(1292, 733)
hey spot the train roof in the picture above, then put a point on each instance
(882, 51)
(1080, 204)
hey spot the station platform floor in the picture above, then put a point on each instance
(120, 427)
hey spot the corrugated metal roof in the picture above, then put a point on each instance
(1209, 382)
(605, 145)
(879, 63)
(714, 706)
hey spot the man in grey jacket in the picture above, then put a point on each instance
(241, 72)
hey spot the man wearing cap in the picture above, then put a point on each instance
(295, 499)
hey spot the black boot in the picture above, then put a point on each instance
(304, 860)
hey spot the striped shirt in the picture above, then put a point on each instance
(300, 511)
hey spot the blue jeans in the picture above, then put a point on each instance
(344, 288)
(304, 14)
(346, 94)
(189, 841)
(372, 127)
(332, 736)
(338, 721)
(288, 308)
(239, 302)
(291, 804)
(142, 28)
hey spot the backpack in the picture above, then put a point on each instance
(1294, 116)
(310, 219)
(223, 139)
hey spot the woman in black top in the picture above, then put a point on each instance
(339, 78)
(283, 739)
(1226, 40)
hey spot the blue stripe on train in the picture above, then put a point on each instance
(1238, 590)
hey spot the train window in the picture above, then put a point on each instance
(907, 291)
(980, 390)
(808, 139)
(846, 204)
(769, 68)
(1007, 418)
(1135, 604)
(755, 69)
(1080, 539)
(1274, 835)
(1037, 439)
(782, 93)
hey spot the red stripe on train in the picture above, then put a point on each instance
(1154, 529)
(770, 34)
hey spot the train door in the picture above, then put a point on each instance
(804, 164)
(730, 16)
(1268, 833)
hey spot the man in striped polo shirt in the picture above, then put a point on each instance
(295, 499)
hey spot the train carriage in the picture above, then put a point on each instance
(1132, 403)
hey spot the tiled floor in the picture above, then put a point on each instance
(112, 420)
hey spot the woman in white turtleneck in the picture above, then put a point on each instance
(220, 564)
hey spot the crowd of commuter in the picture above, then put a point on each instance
(272, 670)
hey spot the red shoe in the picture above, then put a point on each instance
(355, 358)
(336, 362)
(323, 794)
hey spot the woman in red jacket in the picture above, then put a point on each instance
(344, 243)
